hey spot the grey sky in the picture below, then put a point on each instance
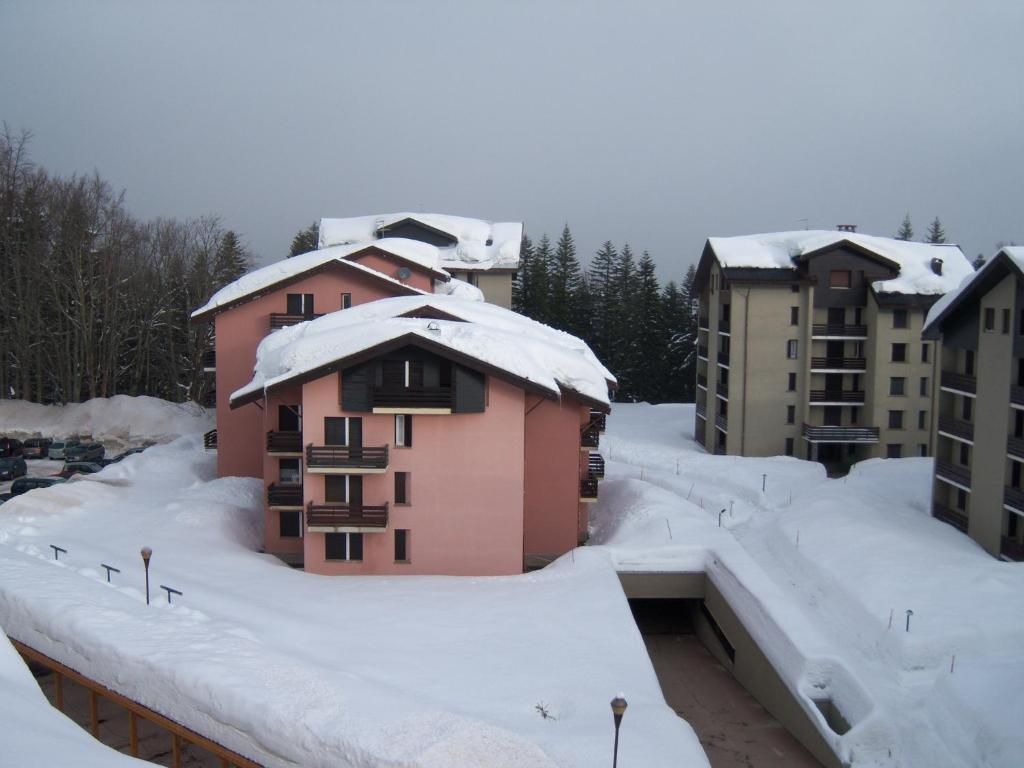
(656, 123)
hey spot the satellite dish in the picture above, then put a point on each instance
(404, 273)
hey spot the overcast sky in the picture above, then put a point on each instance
(659, 124)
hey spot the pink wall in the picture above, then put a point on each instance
(466, 487)
(387, 264)
(273, 541)
(552, 475)
(239, 331)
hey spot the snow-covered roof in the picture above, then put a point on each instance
(783, 250)
(548, 359)
(941, 307)
(260, 279)
(480, 244)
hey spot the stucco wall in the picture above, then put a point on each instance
(273, 541)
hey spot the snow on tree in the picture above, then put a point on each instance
(305, 240)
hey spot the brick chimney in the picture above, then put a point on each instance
(937, 265)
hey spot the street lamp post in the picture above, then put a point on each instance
(146, 554)
(618, 710)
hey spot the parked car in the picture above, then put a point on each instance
(9, 447)
(25, 484)
(58, 447)
(84, 452)
(123, 455)
(6, 497)
(72, 468)
(36, 447)
(12, 467)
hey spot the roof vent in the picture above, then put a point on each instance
(433, 326)
(937, 265)
(846, 227)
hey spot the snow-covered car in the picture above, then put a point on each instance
(58, 447)
(36, 447)
(6, 497)
(121, 456)
(26, 484)
(12, 467)
(72, 468)
(84, 452)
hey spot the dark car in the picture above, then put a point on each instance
(9, 447)
(84, 452)
(6, 497)
(79, 468)
(36, 447)
(12, 467)
(124, 455)
(25, 484)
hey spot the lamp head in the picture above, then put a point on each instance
(146, 554)
(618, 708)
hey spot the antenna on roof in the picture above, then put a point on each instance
(846, 227)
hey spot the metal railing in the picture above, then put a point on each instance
(333, 515)
(836, 434)
(702, 410)
(1011, 548)
(961, 382)
(702, 351)
(839, 363)
(588, 486)
(210, 359)
(210, 440)
(595, 464)
(722, 388)
(702, 380)
(1017, 395)
(598, 419)
(838, 330)
(954, 473)
(284, 442)
(346, 456)
(723, 326)
(1015, 446)
(848, 396)
(949, 515)
(284, 495)
(283, 319)
(589, 437)
(956, 427)
(722, 423)
(1013, 498)
(411, 397)
(723, 358)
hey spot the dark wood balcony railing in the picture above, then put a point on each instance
(284, 442)
(283, 319)
(1017, 395)
(209, 400)
(702, 380)
(836, 330)
(595, 464)
(702, 351)
(948, 515)
(722, 388)
(411, 397)
(284, 495)
(723, 358)
(957, 428)
(848, 396)
(1015, 446)
(954, 473)
(210, 440)
(702, 410)
(210, 359)
(588, 486)
(598, 420)
(1011, 548)
(839, 363)
(835, 434)
(1013, 498)
(959, 381)
(722, 423)
(344, 456)
(589, 437)
(334, 515)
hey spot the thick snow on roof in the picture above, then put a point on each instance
(471, 252)
(781, 250)
(499, 337)
(264, 277)
(1016, 253)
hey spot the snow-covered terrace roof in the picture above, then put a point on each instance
(259, 280)
(784, 250)
(480, 244)
(500, 341)
(1009, 257)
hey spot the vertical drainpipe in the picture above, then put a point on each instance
(746, 368)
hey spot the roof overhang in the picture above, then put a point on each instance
(422, 224)
(991, 273)
(382, 250)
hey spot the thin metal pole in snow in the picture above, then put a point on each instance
(690, 491)
(764, 482)
(109, 569)
(909, 614)
(720, 518)
(891, 612)
(730, 507)
(667, 525)
(798, 537)
(677, 466)
(952, 664)
(57, 550)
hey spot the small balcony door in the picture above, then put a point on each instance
(289, 418)
(833, 416)
(344, 489)
(300, 304)
(836, 315)
(343, 430)
(833, 382)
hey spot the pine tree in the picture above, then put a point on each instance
(231, 260)
(604, 297)
(936, 234)
(521, 286)
(537, 299)
(650, 338)
(676, 386)
(978, 262)
(624, 357)
(564, 286)
(906, 229)
(305, 240)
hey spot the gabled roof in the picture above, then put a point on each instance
(1009, 260)
(479, 244)
(487, 337)
(786, 251)
(281, 273)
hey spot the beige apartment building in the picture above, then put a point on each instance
(979, 449)
(809, 345)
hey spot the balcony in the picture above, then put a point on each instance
(837, 434)
(411, 399)
(702, 410)
(723, 358)
(210, 360)
(837, 397)
(346, 518)
(719, 450)
(722, 423)
(1011, 549)
(283, 319)
(722, 390)
(724, 327)
(953, 474)
(702, 380)
(346, 459)
(284, 443)
(838, 331)
(952, 516)
(956, 429)
(589, 437)
(838, 364)
(702, 323)
(285, 495)
(595, 464)
(598, 420)
(588, 488)
(210, 440)
(1015, 447)
(1013, 499)
(1017, 396)
(959, 382)
(702, 351)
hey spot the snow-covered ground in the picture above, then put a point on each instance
(816, 568)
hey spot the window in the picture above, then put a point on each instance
(924, 386)
(899, 353)
(899, 318)
(290, 522)
(894, 451)
(922, 419)
(725, 314)
(924, 353)
(1015, 475)
(346, 300)
(895, 419)
(289, 471)
(966, 409)
(1006, 321)
(897, 385)
(858, 318)
(965, 455)
(789, 446)
(990, 318)
(794, 288)
(790, 414)
(839, 278)
(792, 382)
(403, 430)
(969, 362)
(299, 304)
(343, 546)
(922, 450)
(791, 349)
(401, 545)
(401, 487)
(794, 315)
